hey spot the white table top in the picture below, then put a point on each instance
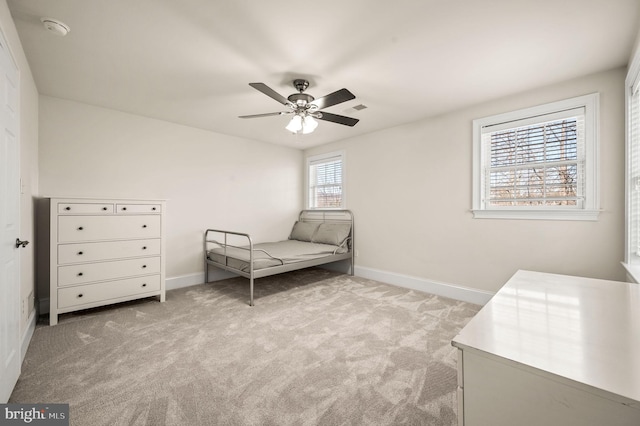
(582, 329)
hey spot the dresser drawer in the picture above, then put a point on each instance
(103, 292)
(108, 250)
(139, 208)
(102, 271)
(90, 228)
(84, 208)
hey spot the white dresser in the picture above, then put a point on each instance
(103, 251)
(552, 350)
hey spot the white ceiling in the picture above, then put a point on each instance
(190, 61)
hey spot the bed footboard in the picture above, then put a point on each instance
(225, 236)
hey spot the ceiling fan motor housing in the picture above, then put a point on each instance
(301, 99)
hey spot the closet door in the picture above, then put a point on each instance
(10, 358)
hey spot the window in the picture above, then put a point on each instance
(325, 188)
(538, 163)
(632, 239)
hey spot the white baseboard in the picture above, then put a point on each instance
(181, 281)
(465, 294)
(28, 334)
(198, 278)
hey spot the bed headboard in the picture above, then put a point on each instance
(335, 216)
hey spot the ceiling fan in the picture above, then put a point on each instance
(305, 108)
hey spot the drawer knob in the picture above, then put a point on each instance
(80, 274)
(144, 248)
(67, 208)
(153, 208)
(144, 285)
(144, 226)
(80, 295)
(104, 208)
(144, 266)
(124, 208)
(80, 253)
(80, 228)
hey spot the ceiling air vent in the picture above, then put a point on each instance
(353, 109)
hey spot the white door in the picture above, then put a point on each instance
(10, 358)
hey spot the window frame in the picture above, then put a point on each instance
(319, 157)
(632, 208)
(590, 208)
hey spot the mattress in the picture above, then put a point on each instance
(278, 253)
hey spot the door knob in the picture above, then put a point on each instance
(20, 243)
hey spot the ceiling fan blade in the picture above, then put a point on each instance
(267, 114)
(337, 97)
(270, 92)
(340, 119)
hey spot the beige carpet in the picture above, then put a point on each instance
(318, 348)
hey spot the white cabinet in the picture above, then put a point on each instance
(552, 350)
(102, 251)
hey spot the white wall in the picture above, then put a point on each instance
(209, 179)
(409, 186)
(410, 190)
(28, 168)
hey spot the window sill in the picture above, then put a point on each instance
(537, 214)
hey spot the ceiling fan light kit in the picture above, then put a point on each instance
(305, 108)
(300, 124)
(309, 124)
(295, 125)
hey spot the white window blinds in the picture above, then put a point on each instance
(634, 169)
(325, 174)
(535, 162)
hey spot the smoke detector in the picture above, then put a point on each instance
(55, 26)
